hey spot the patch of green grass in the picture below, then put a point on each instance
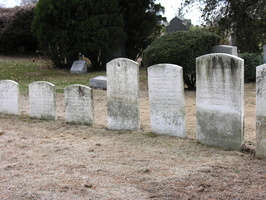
(25, 72)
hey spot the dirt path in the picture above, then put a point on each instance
(55, 160)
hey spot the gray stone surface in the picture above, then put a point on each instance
(220, 100)
(79, 105)
(79, 67)
(264, 53)
(9, 97)
(123, 94)
(261, 111)
(99, 82)
(166, 97)
(42, 100)
(232, 50)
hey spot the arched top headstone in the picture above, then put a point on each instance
(9, 97)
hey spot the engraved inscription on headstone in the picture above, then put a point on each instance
(261, 111)
(42, 100)
(220, 100)
(166, 97)
(79, 104)
(123, 94)
(9, 97)
(79, 67)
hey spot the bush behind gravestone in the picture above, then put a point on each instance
(181, 48)
(15, 29)
(251, 61)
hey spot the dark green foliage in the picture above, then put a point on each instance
(15, 30)
(243, 20)
(251, 61)
(181, 48)
(99, 29)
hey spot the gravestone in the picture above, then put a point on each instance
(232, 50)
(42, 100)
(264, 53)
(166, 97)
(99, 82)
(220, 100)
(261, 111)
(123, 94)
(9, 97)
(79, 67)
(79, 104)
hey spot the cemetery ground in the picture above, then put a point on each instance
(55, 160)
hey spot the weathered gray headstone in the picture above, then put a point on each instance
(232, 50)
(261, 111)
(220, 100)
(79, 67)
(99, 82)
(9, 97)
(264, 53)
(166, 96)
(79, 104)
(123, 94)
(42, 100)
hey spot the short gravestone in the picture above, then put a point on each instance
(99, 82)
(79, 105)
(220, 100)
(261, 111)
(9, 97)
(232, 50)
(166, 97)
(79, 67)
(123, 94)
(42, 100)
(264, 53)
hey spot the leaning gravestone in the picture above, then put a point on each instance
(220, 100)
(9, 97)
(166, 96)
(123, 94)
(99, 82)
(225, 49)
(261, 111)
(79, 67)
(79, 104)
(42, 100)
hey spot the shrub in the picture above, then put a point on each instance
(181, 48)
(251, 61)
(15, 29)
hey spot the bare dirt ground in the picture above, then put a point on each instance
(53, 160)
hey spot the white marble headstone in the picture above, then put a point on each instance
(123, 94)
(9, 97)
(79, 104)
(42, 100)
(261, 111)
(220, 100)
(166, 97)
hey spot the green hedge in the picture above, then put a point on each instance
(181, 48)
(251, 61)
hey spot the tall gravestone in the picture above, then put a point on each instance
(220, 100)
(225, 49)
(79, 104)
(9, 97)
(123, 94)
(261, 111)
(42, 100)
(166, 97)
